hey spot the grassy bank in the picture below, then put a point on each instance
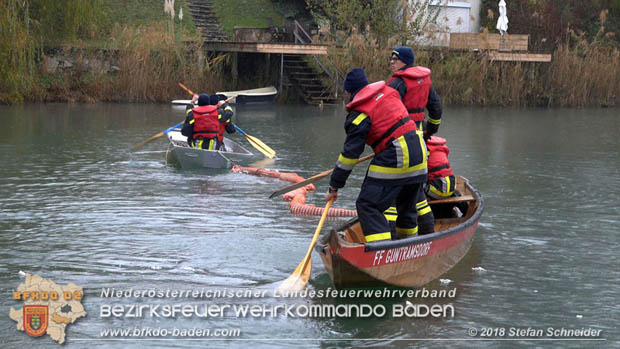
(245, 13)
(151, 49)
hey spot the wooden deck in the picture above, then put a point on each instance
(259, 47)
(471, 41)
(508, 48)
(519, 56)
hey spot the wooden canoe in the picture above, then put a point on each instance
(193, 158)
(183, 102)
(264, 95)
(410, 262)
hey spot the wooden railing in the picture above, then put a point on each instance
(302, 37)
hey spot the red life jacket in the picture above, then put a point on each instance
(388, 116)
(206, 124)
(438, 163)
(418, 82)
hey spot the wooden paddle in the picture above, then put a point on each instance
(258, 144)
(299, 279)
(141, 144)
(160, 134)
(311, 179)
(186, 89)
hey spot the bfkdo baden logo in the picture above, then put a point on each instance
(36, 319)
(48, 307)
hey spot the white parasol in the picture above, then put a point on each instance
(502, 21)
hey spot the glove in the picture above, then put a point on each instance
(426, 136)
(429, 130)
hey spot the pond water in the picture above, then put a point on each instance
(76, 205)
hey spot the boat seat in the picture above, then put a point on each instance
(355, 236)
(454, 199)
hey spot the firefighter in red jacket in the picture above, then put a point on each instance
(416, 90)
(397, 172)
(205, 124)
(441, 181)
(224, 117)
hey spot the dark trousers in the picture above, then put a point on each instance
(375, 198)
(206, 143)
(426, 218)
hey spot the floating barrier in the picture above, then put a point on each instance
(312, 210)
(297, 198)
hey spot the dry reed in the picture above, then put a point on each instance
(580, 74)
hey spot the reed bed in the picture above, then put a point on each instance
(581, 73)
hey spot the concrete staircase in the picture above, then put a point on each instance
(206, 20)
(307, 80)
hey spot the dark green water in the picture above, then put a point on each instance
(77, 206)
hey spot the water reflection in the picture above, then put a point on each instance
(78, 206)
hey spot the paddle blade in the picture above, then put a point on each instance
(298, 280)
(300, 277)
(186, 89)
(262, 147)
(310, 180)
(300, 184)
(143, 143)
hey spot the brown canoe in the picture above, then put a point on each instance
(409, 262)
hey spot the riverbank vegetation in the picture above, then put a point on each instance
(584, 70)
(133, 50)
(141, 51)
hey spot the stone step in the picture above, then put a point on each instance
(303, 74)
(205, 19)
(200, 13)
(199, 6)
(207, 22)
(210, 26)
(295, 64)
(306, 79)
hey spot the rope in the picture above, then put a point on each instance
(297, 197)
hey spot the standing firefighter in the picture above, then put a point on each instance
(377, 117)
(416, 90)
